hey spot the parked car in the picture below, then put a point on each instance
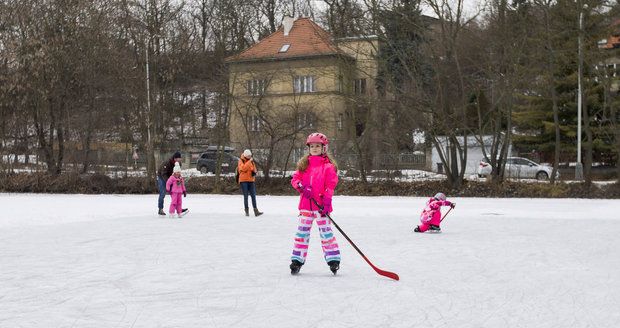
(207, 162)
(520, 168)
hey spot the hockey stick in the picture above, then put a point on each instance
(444, 216)
(388, 274)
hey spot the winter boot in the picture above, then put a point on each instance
(295, 267)
(434, 228)
(416, 229)
(257, 212)
(161, 212)
(334, 266)
(183, 212)
(247, 211)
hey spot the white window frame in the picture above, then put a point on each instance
(306, 120)
(256, 87)
(359, 86)
(304, 84)
(254, 123)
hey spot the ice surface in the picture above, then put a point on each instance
(110, 261)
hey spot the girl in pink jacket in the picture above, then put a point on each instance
(176, 187)
(315, 180)
(431, 215)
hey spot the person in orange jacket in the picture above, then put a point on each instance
(247, 176)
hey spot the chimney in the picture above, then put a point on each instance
(287, 22)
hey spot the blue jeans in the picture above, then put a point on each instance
(248, 188)
(161, 186)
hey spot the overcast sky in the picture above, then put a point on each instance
(470, 7)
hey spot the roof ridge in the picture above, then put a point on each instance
(306, 38)
(323, 35)
(255, 44)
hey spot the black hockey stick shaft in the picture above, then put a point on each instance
(444, 216)
(384, 273)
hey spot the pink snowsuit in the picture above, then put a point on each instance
(431, 215)
(176, 188)
(321, 176)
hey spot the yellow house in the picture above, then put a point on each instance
(296, 81)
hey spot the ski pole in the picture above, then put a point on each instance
(444, 216)
(388, 274)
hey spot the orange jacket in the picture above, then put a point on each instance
(246, 167)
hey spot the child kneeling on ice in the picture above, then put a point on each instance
(431, 215)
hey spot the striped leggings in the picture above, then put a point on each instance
(302, 237)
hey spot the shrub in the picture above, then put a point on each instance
(102, 184)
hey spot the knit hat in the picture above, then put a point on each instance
(177, 155)
(247, 153)
(177, 167)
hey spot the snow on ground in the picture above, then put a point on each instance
(109, 261)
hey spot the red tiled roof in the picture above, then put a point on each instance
(305, 38)
(613, 42)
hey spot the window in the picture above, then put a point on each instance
(256, 87)
(306, 121)
(304, 84)
(359, 86)
(340, 83)
(254, 123)
(340, 122)
(285, 48)
(208, 155)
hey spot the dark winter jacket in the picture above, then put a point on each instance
(165, 169)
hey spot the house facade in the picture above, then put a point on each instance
(296, 81)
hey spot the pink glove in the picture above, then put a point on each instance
(305, 191)
(327, 206)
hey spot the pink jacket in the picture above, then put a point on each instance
(432, 210)
(175, 185)
(321, 176)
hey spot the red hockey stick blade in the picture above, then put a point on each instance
(384, 273)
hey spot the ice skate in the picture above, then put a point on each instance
(334, 266)
(295, 267)
(434, 229)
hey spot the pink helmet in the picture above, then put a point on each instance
(319, 138)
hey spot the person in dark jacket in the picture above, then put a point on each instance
(163, 173)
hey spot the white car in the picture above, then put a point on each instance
(520, 168)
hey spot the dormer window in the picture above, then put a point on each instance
(285, 47)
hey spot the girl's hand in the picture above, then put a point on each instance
(327, 206)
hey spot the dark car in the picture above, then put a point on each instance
(207, 161)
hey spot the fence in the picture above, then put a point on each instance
(403, 161)
(127, 162)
